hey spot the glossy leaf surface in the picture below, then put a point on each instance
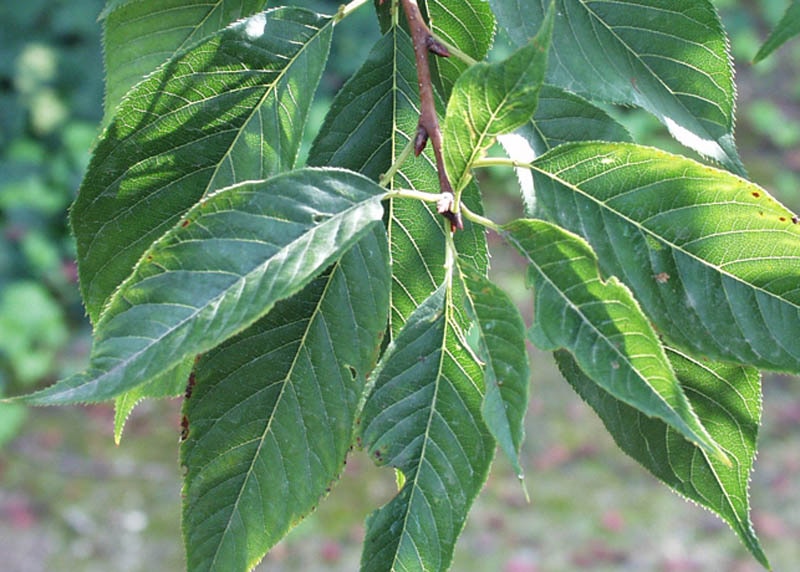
(230, 109)
(601, 325)
(231, 259)
(685, 236)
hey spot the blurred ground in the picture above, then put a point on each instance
(71, 500)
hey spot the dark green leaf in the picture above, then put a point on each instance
(670, 58)
(378, 110)
(489, 100)
(497, 336)
(424, 418)
(602, 326)
(727, 399)
(271, 414)
(138, 38)
(467, 25)
(685, 236)
(234, 255)
(787, 28)
(230, 109)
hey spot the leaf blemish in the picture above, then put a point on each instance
(662, 277)
(756, 194)
(795, 219)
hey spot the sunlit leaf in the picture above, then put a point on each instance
(230, 109)
(601, 325)
(490, 99)
(713, 259)
(727, 399)
(670, 58)
(231, 259)
(378, 110)
(138, 38)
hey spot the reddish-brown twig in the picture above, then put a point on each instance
(428, 126)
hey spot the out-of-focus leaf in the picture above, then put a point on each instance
(787, 28)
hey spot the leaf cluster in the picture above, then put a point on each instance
(313, 308)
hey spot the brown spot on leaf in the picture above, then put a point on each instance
(756, 194)
(662, 277)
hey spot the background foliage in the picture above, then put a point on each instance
(50, 89)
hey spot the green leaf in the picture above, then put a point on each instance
(228, 110)
(727, 399)
(670, 58)
(138, 38)
(787, 28)
(560, 117)
(468, 26)
(497, 336)
(272, 411)
(601, 325)
(378, 109)
(169, 384)
(489, 100)
(563, 117)
(424, 418)
(234, 255)
(684, 235)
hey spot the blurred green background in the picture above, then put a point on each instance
(71, 500)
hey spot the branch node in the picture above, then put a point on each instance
(420, 140)
(436, 47)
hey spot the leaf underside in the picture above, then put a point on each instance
(727, 399)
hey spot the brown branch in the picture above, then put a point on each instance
(428, 126)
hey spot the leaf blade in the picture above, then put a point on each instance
(426, 383)
(727, 399)
(787, 28)
(491, 99)
(137, 39)
(272, 411)
(602, 326)
(235, 255)
(670, 58)
(684, 235)
(194, 126)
